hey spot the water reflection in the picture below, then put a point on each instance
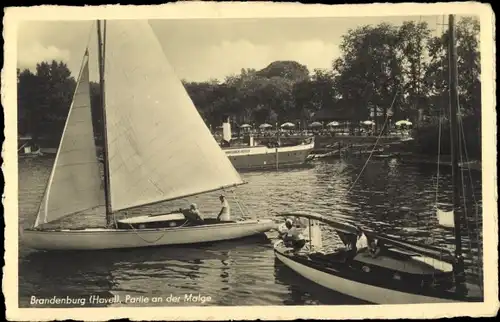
(157, 271)
(44, 275)
(389, 196)
(303, 292)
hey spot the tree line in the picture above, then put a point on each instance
(382, 69)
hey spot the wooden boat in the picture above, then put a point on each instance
(156, 148)
(402, 273)
(391, 270)
(27, 148)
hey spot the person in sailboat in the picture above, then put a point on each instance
(355, 244)
(361, 244)
(285, 227)
(193, 214)
(225, 212)
(293, 237)
(375, 247)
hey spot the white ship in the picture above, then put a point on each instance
(256, 155)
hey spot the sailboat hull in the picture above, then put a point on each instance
(337, 280)
(102, 238)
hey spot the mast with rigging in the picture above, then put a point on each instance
(453, 92)
(101, 40)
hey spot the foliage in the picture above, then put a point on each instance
(428, 136)
(44, 98)
(382, 70)
(469, 88)
(369, 72)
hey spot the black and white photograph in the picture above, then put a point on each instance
(344, 160)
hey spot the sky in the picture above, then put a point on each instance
(203, 49)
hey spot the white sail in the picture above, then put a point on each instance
(159, 147)
(75, 183)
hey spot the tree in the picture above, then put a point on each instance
(44, 99)
(315, 94)
(56, 87)
(469, 84)
(412, 39)
(28, 96)
(290, 70)
(380, 66)
(469, 87)
(369, 73)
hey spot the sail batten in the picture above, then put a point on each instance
(159, 147)
(75, 183)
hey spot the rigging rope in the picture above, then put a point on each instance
(243, 208)
(463, 191)
(438, 156)
(22, 146)
(440, 116)
(91, 32)
(440, 130)
(468, 164)
(374, 146)
(157, 239)
(463, 145)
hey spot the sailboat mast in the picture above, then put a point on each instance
(101, 39)
(454, 141)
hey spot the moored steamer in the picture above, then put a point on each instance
(254, 155)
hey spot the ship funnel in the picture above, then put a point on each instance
(226, 130)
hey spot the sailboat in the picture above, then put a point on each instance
(156, 148)
(390, 270)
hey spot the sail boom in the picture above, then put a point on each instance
(183, 196)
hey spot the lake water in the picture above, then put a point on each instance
(392, 197)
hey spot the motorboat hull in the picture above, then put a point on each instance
(263, 157)
(104, 238)
(337, 280)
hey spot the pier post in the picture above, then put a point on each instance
(277, 146)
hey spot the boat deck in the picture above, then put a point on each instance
(413, 265)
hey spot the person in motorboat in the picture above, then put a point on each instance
(193, 214)
(225, 212)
